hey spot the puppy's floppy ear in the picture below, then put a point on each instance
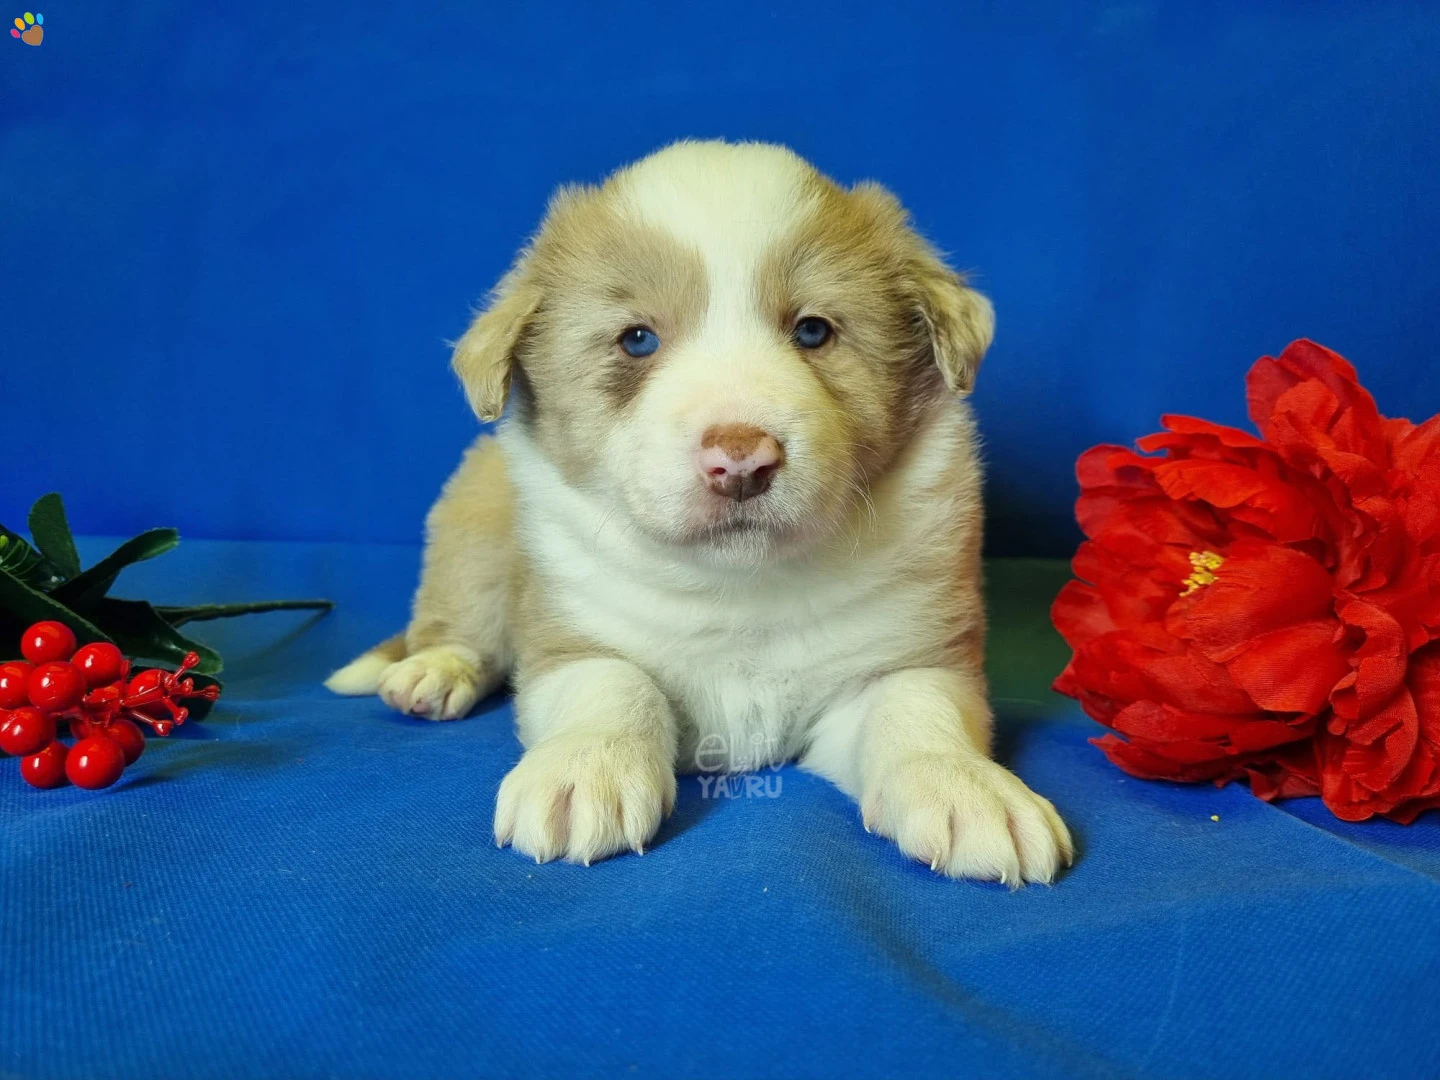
(958, 320)
(485, 356)
(961, 322)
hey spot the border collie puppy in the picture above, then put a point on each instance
(731, 518)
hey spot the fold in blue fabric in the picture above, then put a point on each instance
(307, 886)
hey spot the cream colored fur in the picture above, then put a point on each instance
(836, 619)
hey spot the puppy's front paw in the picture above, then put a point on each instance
(440, 683)
(584, 798)
(967, 817)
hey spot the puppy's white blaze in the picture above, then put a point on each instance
(727, 201)
(733, 205)
(360, 676)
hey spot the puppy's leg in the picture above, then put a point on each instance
(913, 747)
(457, 646)
(599, 772)
(458, 637)
(362, 675)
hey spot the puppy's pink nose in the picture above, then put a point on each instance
(739, 461)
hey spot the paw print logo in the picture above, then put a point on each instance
(30, 29)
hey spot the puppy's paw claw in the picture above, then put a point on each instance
(442, 683)
(584, 798)
(967, 817)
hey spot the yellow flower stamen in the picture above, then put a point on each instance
(1205, 564)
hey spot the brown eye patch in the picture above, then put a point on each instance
(853, 260)
(624, 378)
(600, 271)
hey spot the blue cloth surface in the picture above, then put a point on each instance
(306, 886)
(282, 211)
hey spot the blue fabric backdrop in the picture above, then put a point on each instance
(279, 211)
(305, 886)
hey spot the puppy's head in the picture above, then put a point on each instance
(725, 345)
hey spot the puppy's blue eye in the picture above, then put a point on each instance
(812, 332)
(639, 341)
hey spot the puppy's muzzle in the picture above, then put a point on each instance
(739, 461)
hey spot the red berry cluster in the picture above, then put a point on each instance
(91, 689)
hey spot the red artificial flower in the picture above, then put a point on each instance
(1267, 608)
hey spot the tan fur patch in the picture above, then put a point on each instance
(857, 263)
(737, 440)
(554, 323)
(485, 356)
(599, 274)
(466, 582)
(543, 640)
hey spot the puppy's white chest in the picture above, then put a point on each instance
(749, 659)
(748, 702)
(746, 676)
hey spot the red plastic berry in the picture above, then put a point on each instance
(47, 641)
(126, 735)
(99, 662)
(83, 727)
(103, 699)
(25, 731)
(146, 680)
(14, 683)
(94, 763)
(45, 768)
(56, 687)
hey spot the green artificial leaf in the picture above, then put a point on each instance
(24, 604)
(86, 589)
(141, 633)
(51, 533)
(179, 616)
(25, 563)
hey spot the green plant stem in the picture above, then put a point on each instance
(179, 616)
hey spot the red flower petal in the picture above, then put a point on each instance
(1133, 592)
(1216, 482)
(1424, 683)
(1382, 747)
(1105, 669)
(1412, 445)
(1191, 682)
(1079, 614)
(1260, 588)
(1141, 762)
(1114, 466)
(1380, 662)
(1359, 781)
(1304, 362)
(1293, 669)
(1278, 507)
(1291, 773)
(1191, 737)
(1225, 436)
